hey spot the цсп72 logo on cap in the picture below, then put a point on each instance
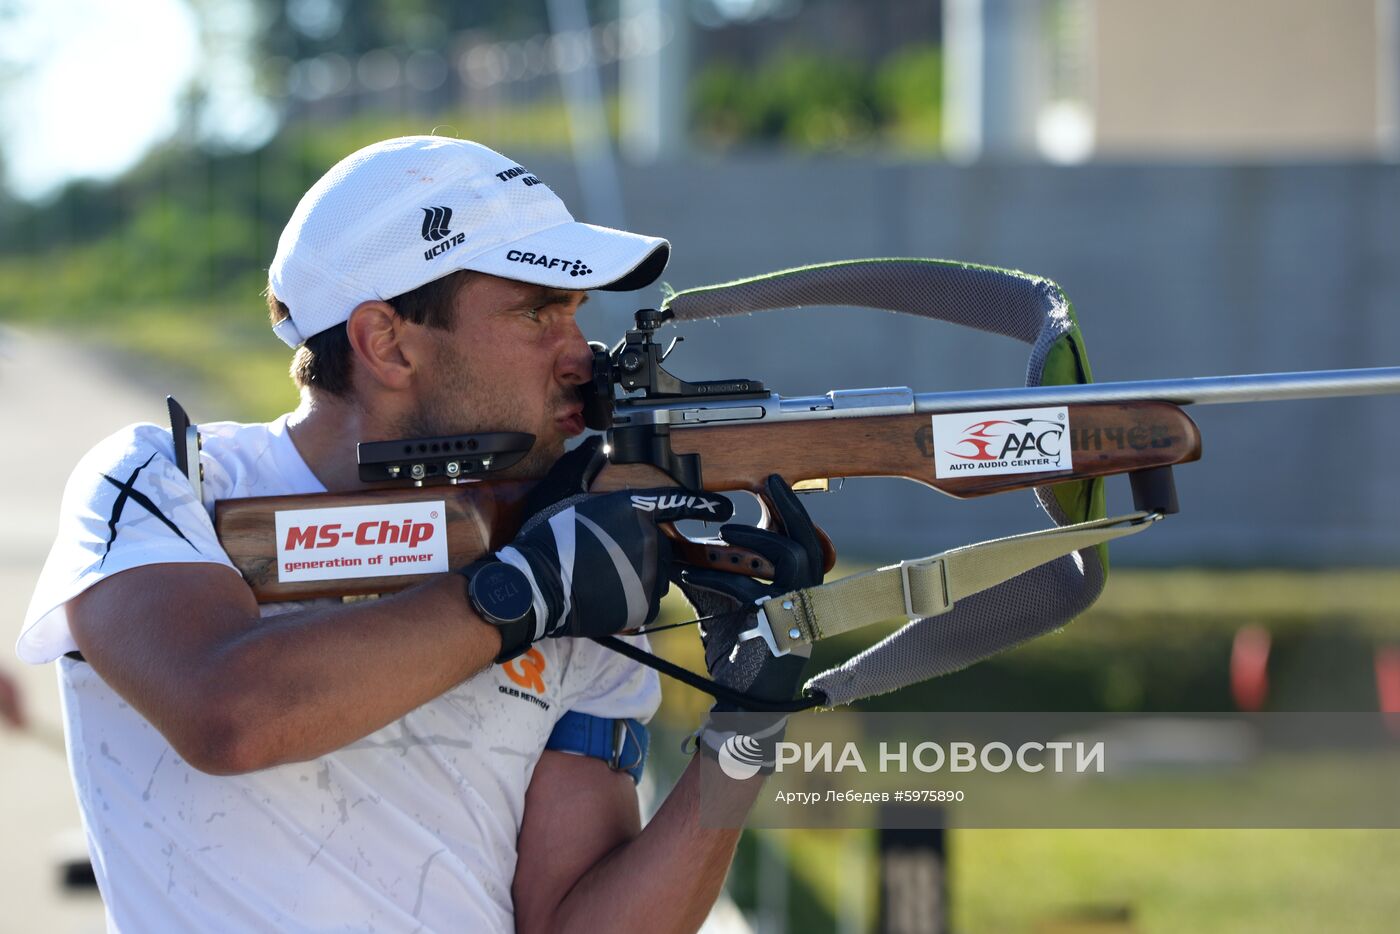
(435, 221)
(1002, 442)
(436, 231)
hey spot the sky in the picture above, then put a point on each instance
(100, 86)
(100, 82)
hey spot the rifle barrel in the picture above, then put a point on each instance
(1203, 390)
(900, 400)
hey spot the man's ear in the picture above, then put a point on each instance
(378, 337)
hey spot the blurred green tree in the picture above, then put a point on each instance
(810, 100)
(908, 93)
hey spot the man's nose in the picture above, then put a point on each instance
(575, 361)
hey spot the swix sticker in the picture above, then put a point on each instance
(676, 501)
(361, 541)
(980, 444)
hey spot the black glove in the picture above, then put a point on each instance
(796, 555)
(596, 564)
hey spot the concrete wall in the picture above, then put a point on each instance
(1242, 78)
(1174, 271)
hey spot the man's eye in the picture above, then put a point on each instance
(533, 313)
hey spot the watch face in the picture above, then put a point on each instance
(502, 593)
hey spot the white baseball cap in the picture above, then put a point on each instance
(403, 212)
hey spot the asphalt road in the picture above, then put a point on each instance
(56, 401)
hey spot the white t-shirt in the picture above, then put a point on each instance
(413, 827)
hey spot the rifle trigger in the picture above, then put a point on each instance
(821, 485)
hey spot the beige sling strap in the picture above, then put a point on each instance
(925, 587)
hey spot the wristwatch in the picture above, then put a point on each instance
(501, 595)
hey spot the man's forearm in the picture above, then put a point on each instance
(668, 877)
(302, 684)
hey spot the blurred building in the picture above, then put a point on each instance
(1244, 78)
(1071, 80)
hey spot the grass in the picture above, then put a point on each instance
(1118, 881)
(1292, 596)
(1203, 881)
(227, 350)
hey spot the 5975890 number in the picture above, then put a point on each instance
(928, 795)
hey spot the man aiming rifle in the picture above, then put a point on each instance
(430, 759)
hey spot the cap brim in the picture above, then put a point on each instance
(578, 256)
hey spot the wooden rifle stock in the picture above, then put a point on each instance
(482, 516)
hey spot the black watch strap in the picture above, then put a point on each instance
(515, 639)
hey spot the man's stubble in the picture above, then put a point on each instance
(458, 401)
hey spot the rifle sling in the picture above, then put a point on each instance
(924, 587)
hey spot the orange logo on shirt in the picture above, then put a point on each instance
(530, 672)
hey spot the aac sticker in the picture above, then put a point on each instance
(980, 444)
(361, 541)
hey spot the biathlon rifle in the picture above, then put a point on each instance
(434, 505)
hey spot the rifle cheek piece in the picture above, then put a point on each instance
(453, 457)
